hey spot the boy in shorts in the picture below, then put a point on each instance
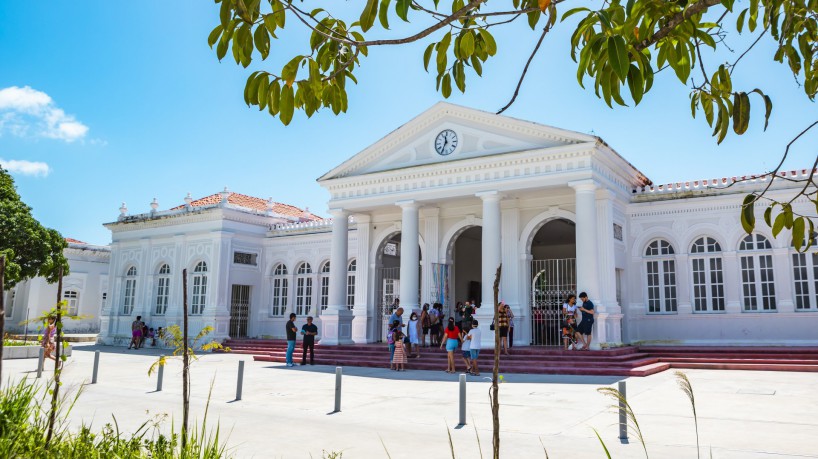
(465, 347)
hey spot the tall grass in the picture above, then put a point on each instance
(24, 425)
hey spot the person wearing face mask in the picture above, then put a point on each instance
(413, 332)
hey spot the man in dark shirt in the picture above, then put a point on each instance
(587, 325)
(309, 330)
(291, 336)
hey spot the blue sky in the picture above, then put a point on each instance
(136, 106)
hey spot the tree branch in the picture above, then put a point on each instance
(525, 69)
(397, 41)
(674, 22)
(748, 50)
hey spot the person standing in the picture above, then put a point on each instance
(569, 308)
(510, 326)
(502, 326)
(434, 331)
(397, 316)
(399, 359)
(136, 333)
(452, 334)
(425, 324)
(465, 348)
(586, 327)
(291, 337)
(49, 338)
(309, 330)
(414, 336)
(474, 337)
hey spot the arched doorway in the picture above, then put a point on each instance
(467, 261)
(553, 276)
(387, 282)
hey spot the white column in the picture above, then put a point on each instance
(491, 246)
(785, 301)
(361, 311)
(409, 256)
(586, 224)
(338, 260)
(431, 237)
(336, 321)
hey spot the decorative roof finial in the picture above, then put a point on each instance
(225, 195)
(188, 200)
(123, 211)
(154, 205)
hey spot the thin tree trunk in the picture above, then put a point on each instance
(185, 363)
(2, 311)
(55, 393)
(495, 399)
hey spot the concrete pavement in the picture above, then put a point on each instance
(285, 412)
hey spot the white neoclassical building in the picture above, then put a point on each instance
(429, 212)
(85, 290)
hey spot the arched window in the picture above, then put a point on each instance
(199, 293)
(162, 290)
(757, 273)
(129, 294)
(351, 284)
(708, 278)
(280, 289)
(72, 297)
(303, 289)
(324, 279)
(661, 271)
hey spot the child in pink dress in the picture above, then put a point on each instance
(400, 352)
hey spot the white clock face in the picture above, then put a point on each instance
(446, 142)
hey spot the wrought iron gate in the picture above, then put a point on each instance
(552, 281)
(388, 285)
(239, 311)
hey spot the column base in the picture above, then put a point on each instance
(336, 327)
(607, 330)
(360, 325)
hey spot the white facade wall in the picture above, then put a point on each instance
(87, 279)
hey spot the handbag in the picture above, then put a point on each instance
(491, 327)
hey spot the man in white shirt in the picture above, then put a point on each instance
(474, 337)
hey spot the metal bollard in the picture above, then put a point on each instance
(623, 419)
(240, 381)
(338, 372)
(40, 363)
(462, 399)
(96, 368)
(160, 375)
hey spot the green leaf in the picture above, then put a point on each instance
(274, 102)
(798, 232)
(748, 217)
(618, 56)
(572, 12)
(491, 45)
(533, 19)
(478, 67)
(402, 9)
(707, 105)
(427, 55)
(368, 15)
(635, 83)
(768, 216)
(225, 13)
(740, 20)
(466, 45)
(741, 112)
(446, 86)
(263, 91)
(383, 14)
(287, 105)
(290, 71)
(214, 35)
(280, 13)
(262, 41)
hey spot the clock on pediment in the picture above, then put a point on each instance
(446, 142)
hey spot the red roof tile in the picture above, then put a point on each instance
(74, 241)
(252, 202)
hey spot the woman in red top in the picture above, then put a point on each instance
(452, 333)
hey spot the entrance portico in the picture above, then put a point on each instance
(502, 176)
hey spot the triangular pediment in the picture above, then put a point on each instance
(478, 134)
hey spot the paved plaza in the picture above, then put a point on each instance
(286, 412)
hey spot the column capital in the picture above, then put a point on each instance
(431, 212)
(585, 185)
(362, 218)
(338, 212)
(493, 195)
(408, 204)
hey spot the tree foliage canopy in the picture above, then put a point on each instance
(31, 249)
(619, 46)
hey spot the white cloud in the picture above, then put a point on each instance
(26, 111)
(23, 167)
